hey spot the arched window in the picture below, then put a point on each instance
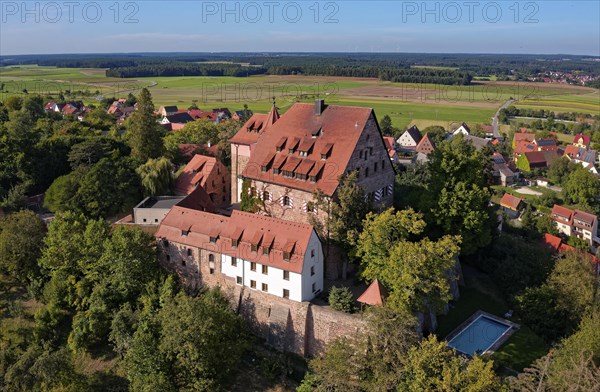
(211, 258)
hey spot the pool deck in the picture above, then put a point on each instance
(514, 327)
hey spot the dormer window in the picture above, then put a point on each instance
(234, 243)
(264, 168)
(213, 240)
(254, 248)
(265, 250)
(313, 178)
(184, 233)
(286, 256)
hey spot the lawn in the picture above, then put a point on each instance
(481, 293)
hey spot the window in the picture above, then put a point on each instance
(265, 270)
(375, 169)
(266, 196)
(189, 252)
(155, 220)
(184, 233)
(265, 250)
(144, 219)
(312, 270)
(168, 258)
(234, 243)
(238, 280)
(254, 247)
(366, 172)
(286, 256)
(368, 137)
(286, 275)
(314, 287)
(213, 240)
(383, 164)
(312, 253)
(371, 151)
(286, 293)
(264, 168)
(212, 271)
(182, 263)
(224, 188)
(233, 262)
(310, 206)
(286, 200)
(366, 155)
(360, 154)
(211, 258)
(265, 287)
(252, 284)
(253, 266)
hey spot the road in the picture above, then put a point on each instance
(495, 119)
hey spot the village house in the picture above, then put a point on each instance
(512, 205)
(390, 144)
(556, 245)
(165, 111)
(464, 129)
(575, 222)
(410, 138)
(240, 115)
(208, 173)
(425, 146)
(271, 255)
(535, 160)
(501, 171)
(286, 159)
(582, 141)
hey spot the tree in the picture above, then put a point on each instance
(559, 170)
(370, 360)
(583, 188)
(21, 239)
(459, 196)
(250, 202)
(61, 194)
(386, 125)
(347, 211)
(92, 150)
(432, 366)
(156, 176)
(381, 233)
(340, 298)
(203, 339)
(436, 133)
(143, 132)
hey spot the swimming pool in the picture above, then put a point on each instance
(480, 335)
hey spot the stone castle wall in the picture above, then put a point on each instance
(302, 328)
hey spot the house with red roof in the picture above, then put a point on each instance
(556, 245)
(425, 146)
(208, 173)
(581, 140)
(575, 222)
(390, 144)
(535, 160)
(254, 252)
(308, 149)
(512, 205)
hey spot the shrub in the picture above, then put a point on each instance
(340, 298)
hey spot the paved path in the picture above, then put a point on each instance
(495, 118)
(528, 191)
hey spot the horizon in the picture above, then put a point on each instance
(518, 28)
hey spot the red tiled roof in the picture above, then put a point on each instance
(510, 201)
(199, 200)
(195, 174)
(374, 295)
(584, 216)
(562, 212)
(530, 137)
(586, 139)
(487, 128)
(254, 127)
(340, 126)
(247, 228)
(535, 157)
(551, 241)
(424, 144)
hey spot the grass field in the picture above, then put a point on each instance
(403, 102)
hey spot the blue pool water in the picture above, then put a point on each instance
(478, 336)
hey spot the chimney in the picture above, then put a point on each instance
(319, 106)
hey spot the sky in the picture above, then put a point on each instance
(528, 27)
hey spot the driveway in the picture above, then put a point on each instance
(528, 191)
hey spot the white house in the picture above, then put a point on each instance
(464, 129)
(275, 256)
(410, 138)
(575, 222)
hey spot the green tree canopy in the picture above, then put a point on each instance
(21, 239)
(144, 134)
(156, 177)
